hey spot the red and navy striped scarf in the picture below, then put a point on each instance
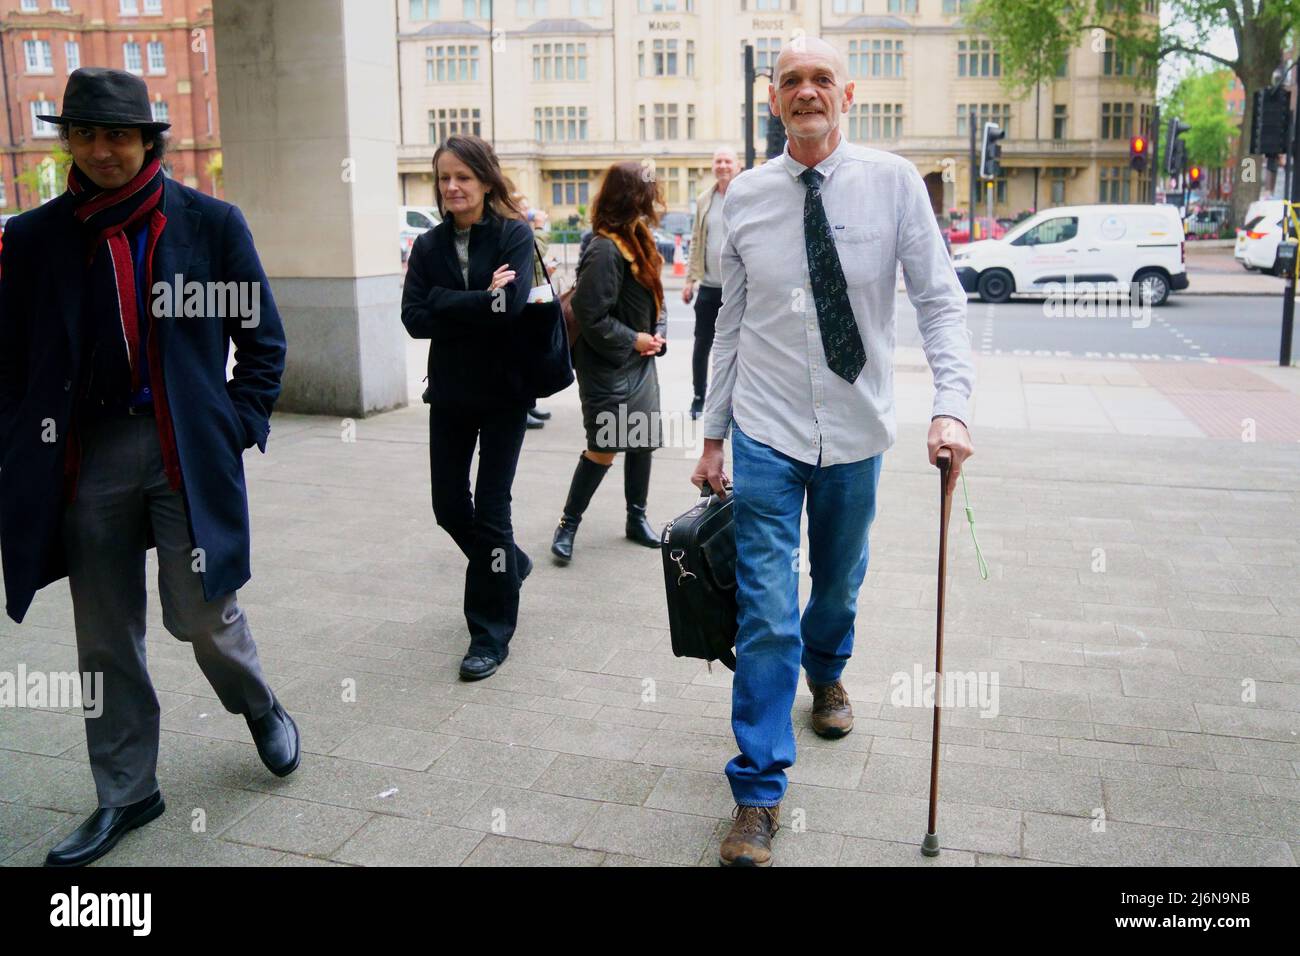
(108, 216)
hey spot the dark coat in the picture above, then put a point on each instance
(42, 281)
(472, 361)
(619, 388)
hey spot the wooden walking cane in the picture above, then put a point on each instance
(943, 460)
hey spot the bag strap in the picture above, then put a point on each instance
(546, 272)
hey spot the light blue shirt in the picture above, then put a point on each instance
(769, 367)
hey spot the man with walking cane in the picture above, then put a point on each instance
(802, 371)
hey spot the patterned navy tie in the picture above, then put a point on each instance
(845, 354)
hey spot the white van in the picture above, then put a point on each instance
(1075, 244)
(413, 222)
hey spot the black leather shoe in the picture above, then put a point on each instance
(562, 543)
(535, 422)
(538, 413)
(276, 736)
(525, 564)
(697, 408)
(639, 528)
(474, 667)
(102, 830)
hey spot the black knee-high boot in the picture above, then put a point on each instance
(636, 487)
(586, 479)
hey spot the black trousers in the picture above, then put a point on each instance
(708, 299)
(480, 524)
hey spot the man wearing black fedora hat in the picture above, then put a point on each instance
(119, 431)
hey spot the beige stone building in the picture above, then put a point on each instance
(563, 88)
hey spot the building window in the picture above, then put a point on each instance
(666, 6)
(953, 7)
(1114, 184)
(1057, 175)
(40, 128)
(665, 115)
(1059, 118)
(664, 57)
(37, 54)
(586, 8)
(569, 187)
(1116, 120)
(559, 61)
(157, 59)
(153, 7)
(72, 50)
(424, 9)
(63, 6)
(29, 6)
(1112, 64)
(477, 9)
(131, 56)
(4, 197)
(977, 58)
(999, 113)
(159, 110)
(765, 53)
(875, 122)
(559, 124)
(129, 8)
(902, 6)
(530, 8)
(448, 122)
(451, 63)
(847, 6)
(882, 58)
(208, 103)
(761, 117)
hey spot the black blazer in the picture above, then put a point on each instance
(41, 288)
(472, 332)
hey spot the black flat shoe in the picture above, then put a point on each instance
(535, 422)
(276, 737)
(538, 413)
(474, 667)
(102, 830)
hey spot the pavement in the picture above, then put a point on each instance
(1139, 632)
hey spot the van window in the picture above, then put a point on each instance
(417, 220)
(1049, 231)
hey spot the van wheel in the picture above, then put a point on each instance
(996, 285)
(1153, 286)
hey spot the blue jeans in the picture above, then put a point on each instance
(773, 641)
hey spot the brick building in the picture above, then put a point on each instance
(168, 43)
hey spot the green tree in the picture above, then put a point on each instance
(1200, 100)
(31, 176)
(1034, 35)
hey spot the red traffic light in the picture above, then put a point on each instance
(1138, 146)
(1195, 174)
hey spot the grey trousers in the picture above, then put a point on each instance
(122, 491)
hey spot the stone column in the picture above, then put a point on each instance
(308, 126)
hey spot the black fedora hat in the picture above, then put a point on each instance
(96, 96)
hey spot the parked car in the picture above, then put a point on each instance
(1206, 223)
(413, 222)
(1094, 244)
(1258, 239)
(672, 225)
(959, 232)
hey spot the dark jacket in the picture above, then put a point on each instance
(42, 281)
(472, 361)
(618, 387)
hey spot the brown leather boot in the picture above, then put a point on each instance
(749, 842)
(832, 714)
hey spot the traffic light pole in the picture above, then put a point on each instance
(1155, 153)
(1288, 294)
(749, 106)
(974, 178)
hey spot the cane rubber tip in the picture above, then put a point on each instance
(930, 845)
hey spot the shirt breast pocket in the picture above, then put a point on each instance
(864, 254)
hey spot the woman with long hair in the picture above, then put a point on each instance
(467, 282)
(619, 306)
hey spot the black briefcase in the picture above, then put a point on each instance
(699, 553)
